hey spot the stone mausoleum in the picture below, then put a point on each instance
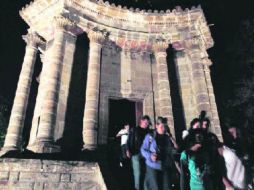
(127, 60)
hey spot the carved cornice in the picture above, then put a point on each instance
(147, 24)
(33, 39)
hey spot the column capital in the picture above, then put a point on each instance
(194, 43)
(62, 23)
(97, 36)
(207, 62)
(33, 39)
(160, 45)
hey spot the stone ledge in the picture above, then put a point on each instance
(38, 174)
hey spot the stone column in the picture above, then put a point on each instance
(215, 121)
(39, 99)
(165, 105)
(185, 86)
(199, 81)
(90, 119)
(45, 135)
(13, 139)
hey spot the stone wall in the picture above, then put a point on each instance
(30, 174)
(124, 74)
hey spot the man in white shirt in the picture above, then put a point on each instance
(123, 133)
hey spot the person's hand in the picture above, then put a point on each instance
(230, 188)
(128, 153)
(154, 157)
(195, 147)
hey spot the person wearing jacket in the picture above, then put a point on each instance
(134, 142)
(157, 149)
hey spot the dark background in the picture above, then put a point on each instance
(233, 44)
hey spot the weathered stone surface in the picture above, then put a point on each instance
(132, 64)
(48, 175)
(4, 176)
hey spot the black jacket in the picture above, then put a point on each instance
(135, 139)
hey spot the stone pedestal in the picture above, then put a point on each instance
(13, 139)
(165, 105)
(90, 119)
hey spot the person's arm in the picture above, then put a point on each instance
(145, 148)
(184, 181)
(129, 142)
(120, 133)
(174, 142)
(223, 170)
(227, 184)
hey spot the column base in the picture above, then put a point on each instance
(6, 151)
(89, 147)
(44, 147)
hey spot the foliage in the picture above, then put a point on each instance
(240, 108)
(5, 108)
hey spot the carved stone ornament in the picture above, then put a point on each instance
(32, 39)
(160, 45)
(97, 36)
(207, 62)
(61, 22)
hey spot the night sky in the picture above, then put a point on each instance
(226, 16)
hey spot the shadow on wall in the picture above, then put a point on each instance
(72, 136)
(177, 106)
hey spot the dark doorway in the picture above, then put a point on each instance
(120, 112)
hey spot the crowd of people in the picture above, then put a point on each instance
(201, 162)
